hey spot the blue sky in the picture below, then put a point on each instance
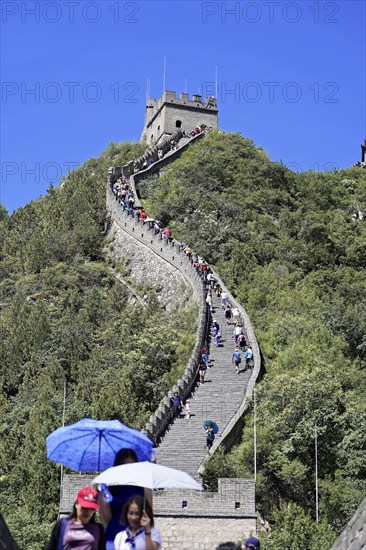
(291, 77)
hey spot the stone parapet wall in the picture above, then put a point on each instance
(71, 485)
(145, 266)
(234, 498)
(128, 169)
(191, 519)
(353, 537)
(201, 533)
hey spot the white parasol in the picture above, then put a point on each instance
(149, 475)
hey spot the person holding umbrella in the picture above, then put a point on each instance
(210, 436)
(151, 476)
(94, 445)
(111, 512)
(140, 533)
(80, 529)
(211, 428)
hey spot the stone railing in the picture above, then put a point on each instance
(170, 252)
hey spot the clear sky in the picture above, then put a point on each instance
(291, 76)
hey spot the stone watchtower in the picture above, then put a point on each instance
(169, 113)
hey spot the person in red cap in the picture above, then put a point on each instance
(80, 529)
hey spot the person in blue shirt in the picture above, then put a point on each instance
(236, 359)
(248, 356)
(110, 513)
(205, 356)
(177, 404)
(217, 338)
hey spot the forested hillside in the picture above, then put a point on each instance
(292, 248)
(65, 317)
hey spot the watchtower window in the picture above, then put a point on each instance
(152, 136)
(158, 128)
(178, 123)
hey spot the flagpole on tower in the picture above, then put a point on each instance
(216, 85)
(164, 78)
(147, 89)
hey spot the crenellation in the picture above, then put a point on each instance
(169, 113)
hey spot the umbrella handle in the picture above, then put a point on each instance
(107, 495)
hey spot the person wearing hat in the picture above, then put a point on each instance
(80, 529)
(252, 544)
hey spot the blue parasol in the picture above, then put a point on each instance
(91, 445)
(208, 423)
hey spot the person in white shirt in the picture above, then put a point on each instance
(139, 533)
(237, 333)
(236, 315)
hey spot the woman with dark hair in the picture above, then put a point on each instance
(110, 512)
(140, 533)
(80, 529)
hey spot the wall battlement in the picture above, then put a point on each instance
(169, 113)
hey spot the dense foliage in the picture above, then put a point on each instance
(291, 247)
(65, 317)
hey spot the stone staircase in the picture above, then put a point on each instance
(184, 444)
